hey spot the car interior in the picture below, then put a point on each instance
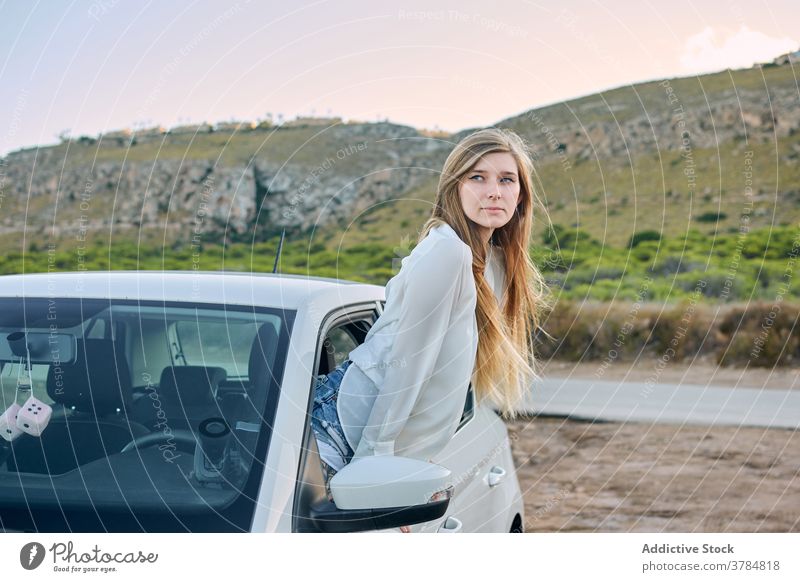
(140, 378)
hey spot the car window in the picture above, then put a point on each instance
(469, 408)
(344, 338)
(224, 344)
(135, 439)
(11, 373)
(341, 343)
(97, 329)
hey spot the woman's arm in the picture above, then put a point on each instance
(432, 288)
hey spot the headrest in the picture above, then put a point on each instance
(262, 354)
(259, 372)
(190, 385)
(98, 382)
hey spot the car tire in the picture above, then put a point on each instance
(516, 525)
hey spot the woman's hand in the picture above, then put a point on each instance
(405, 528)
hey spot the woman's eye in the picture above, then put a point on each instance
(505, 179)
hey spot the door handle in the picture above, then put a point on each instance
(451, 525)
(496, 475)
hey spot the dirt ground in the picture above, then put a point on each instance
(643, 477)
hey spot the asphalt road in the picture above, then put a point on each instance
(665, 403)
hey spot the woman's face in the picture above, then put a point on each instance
(490, 192)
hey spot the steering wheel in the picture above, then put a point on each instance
(184, 440)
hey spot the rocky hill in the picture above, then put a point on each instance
(751, 105)
(619, 157)
(295, 177)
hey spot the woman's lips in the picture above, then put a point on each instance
(493, 209)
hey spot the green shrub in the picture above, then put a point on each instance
(591, 275)
(562, 238)
(674, 264)
(645, 235)
(711, 217)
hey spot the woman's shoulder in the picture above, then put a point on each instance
(445, 252)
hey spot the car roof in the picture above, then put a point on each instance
(281, 290)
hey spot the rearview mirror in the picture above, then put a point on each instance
(44, 347)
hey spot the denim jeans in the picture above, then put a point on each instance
(327, 427)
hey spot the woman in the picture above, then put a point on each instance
(462, 309)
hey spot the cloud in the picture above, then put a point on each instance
(706, 51)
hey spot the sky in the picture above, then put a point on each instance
(86, 67)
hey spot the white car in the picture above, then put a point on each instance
(180, 401)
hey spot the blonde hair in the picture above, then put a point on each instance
(505, 364)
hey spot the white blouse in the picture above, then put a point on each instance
(405, 391)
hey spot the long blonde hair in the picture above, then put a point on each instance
(505, 365)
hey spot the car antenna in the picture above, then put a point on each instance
(278, 254)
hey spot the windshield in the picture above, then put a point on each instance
(135, 416)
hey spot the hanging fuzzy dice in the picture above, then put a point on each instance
(33, 416)
(8, 423)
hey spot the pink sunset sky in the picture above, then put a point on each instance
(89, 67)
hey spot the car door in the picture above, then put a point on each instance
(458, 464)
(341, 332)
(475, 456)
(474, 450)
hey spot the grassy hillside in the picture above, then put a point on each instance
(733, 225)
(759, 264)
(627, 102)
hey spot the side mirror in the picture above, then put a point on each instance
(383, 492)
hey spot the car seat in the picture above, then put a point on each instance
(185, 396)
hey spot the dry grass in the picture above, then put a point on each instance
(756, 334)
